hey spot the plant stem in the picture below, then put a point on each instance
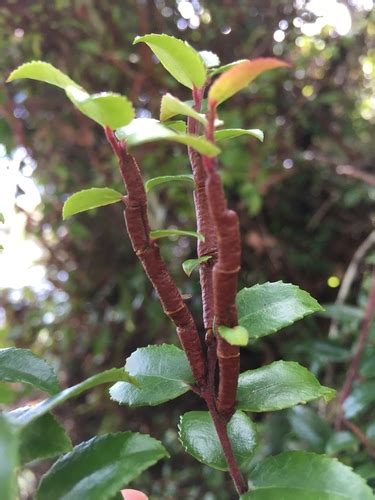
(356, 360)
(361, 436)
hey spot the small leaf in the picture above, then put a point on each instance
(341, 441)
(88, 199)
(166, 233)
(156, 181)
(171, 106)
(232, 133)
(43, 438)
(99, 468)
(8, 459)
(178, 58)
(225, 67)
(36, 411)
(162, 373)
(143, 130)
(297, 475)
(21, 365)
(280, 385)
(106, 108)
(237, 335)
(199, 438)
(359, 400)
(265, 309)
(210, 59)
(189, 265)
(239, 77)
(44, 72)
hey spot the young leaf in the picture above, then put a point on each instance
(171, 106)
(99, 468)
(189, 265)
(8, 459)
(280, 385)
(43, 438)
(156, 181)
(21, 365)
(296, 475)
(44, 72)
(210, 59)
(265, 309)
(88, 199)
(237, 335)
(232, 133)
(178, 58)
(143, 130)
(36, 411)
(178, 126)
(239, 77)
(199, 438)
(361, 397)
(162, 373)
(166, 233)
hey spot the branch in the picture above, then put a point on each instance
(361, 436)
(147, 251)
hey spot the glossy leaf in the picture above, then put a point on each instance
(189, 265)
(178, 58)
(237, 335)
(8, 459)
(199, 438)
(265, 309)
(87, 199)
(280, 385)
(44, 72)
(362, 396)
(36, 411)
(156, 181)
(210, 59)
(142, 130)
(21, 365)
(232, 133)
(162, 373)
(171, 106)
(43, 438)
(297, 475)
(239, 77)
(99, 468)
(166, 233)
(341, 441)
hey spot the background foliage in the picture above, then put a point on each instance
(305, 198)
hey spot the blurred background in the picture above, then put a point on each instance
(74, 292)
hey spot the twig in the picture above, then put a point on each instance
(354, 365)
(361, 436)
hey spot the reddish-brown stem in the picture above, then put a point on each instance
(361, 437)
(148, 253)
(364, 333)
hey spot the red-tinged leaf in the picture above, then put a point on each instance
(238, 77)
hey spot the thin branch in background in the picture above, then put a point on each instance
(364, 333)
(356, 173)
(361, 437)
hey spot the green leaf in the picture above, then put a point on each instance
(367, 470)
(162, 373)
(231, 133)
(178, 126)
(237, 335)
(309, 427)
(88, 199)
(342, 312)
(43, 438)
(280, 385)
(99, 468)
(171, 106)
(341, 441)
(44, 72)
(156, 181)
(21, 365)
(367, 369)
(142, 130)
(2, 219)
(189, 265)
(178, 58)
(210, 59)
(265, 309)
(8, 459)
(359, 400)
(199, 438)
(166, 233)
(36, 411)
(7, 394)
(225, 67)
(297, 475)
